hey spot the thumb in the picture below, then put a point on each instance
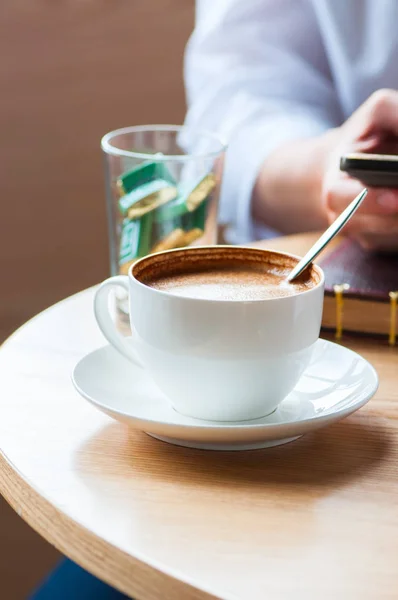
(339, 192)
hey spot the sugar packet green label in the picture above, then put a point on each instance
(135, 239)
(148, 195)
(190, 197)
(197, 218)
(144, 173)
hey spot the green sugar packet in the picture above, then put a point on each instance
(164, 228)
(143, 173)
(135, 239)
(190, 197)
(146, 198)
(197, 218)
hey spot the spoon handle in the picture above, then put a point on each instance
(329, 234)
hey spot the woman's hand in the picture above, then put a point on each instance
(370, 129)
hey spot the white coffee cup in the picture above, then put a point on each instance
(213, 359)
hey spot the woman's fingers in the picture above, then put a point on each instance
(371, 226)
(379, 201)
(378, 114)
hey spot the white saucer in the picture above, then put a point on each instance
(336, 384)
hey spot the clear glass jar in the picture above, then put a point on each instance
(162, 189)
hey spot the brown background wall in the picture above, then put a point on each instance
(70, 71)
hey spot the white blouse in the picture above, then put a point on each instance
(262, 72)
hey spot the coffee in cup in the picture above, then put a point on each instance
(228, 279)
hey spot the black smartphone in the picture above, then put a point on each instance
(377, 170)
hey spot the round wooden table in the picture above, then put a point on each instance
(317, 518)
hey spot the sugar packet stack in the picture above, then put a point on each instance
(157, 214)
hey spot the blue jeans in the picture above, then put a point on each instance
(68, 581)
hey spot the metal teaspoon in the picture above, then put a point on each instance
(326, 237)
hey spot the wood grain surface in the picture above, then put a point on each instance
(316, 518)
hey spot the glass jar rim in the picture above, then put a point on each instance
(109, 148)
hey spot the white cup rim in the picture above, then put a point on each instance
(317, 268)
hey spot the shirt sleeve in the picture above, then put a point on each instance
(256, 73)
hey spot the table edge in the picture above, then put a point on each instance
(83, 546)
(92, 552)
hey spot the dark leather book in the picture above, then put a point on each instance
(367, 306)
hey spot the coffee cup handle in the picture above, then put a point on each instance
(105, 321)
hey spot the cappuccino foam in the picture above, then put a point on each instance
(240, 283)
(225, 273)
